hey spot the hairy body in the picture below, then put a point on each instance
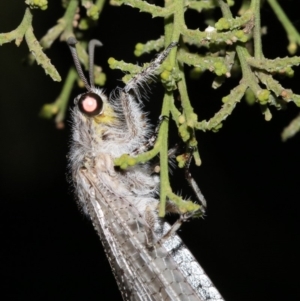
(148, 264)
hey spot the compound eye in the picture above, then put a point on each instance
(90, 104)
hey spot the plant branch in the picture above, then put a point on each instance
(292, 34)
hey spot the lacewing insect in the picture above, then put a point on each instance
(147, 257)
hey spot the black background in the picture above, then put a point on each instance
(249, 241)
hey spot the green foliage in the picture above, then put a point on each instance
(41, 4)
(230, 41)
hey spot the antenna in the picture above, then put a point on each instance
(71, 43)
(92, 45)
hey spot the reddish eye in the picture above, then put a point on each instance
(90, 104)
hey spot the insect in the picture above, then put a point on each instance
(148, 259)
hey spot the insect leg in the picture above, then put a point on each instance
(171, 153)
(192, 182)
(135, 120)
(151, 141)
(149, 72)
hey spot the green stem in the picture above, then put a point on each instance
(178, 19)
(293, 34)
(175, 113)
(100, 5)
(69, 17)
(19, 32)
(248, 75)
(64, 26)
(225, 9)
(164, 159)
(144, 6)
(190, 116)
(41, 58)
(258, 53)
(63, 98)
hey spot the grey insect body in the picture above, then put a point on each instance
(148, 262)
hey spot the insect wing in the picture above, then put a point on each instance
(166, 272)
(113, 237)
(195, 277)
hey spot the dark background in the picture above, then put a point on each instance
(249, 241)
